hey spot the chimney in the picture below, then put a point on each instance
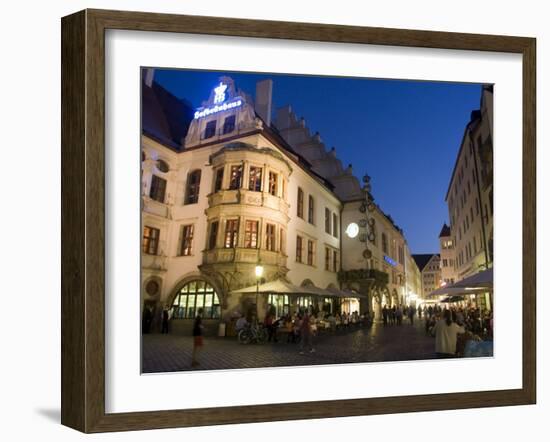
(264, 92)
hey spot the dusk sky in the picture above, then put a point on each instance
(404, 134)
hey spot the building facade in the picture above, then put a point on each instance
(430, 269)
(470, 193)
(224, 190)
(447, 253)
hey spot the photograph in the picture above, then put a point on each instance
(300, 220)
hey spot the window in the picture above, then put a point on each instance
(282, 241)
(219, 180)
(186, 240)
(158, 188)
(328, 228)
(162, 166)
(150, 242)
(471, 215)
(251, 234)
(335, 231)
(477, 207)
(231, 232)
(300, 203)
(229, 124)
(193, 186)
(327, 258)
(236, 176)
(401, 255)
(280, 303)
(210, 129)
(298, 249)
(255, 179)
(384, 243)
(309, 252)
(270, 237)
(475, 244)
(444, 263)
(311, 210)
(193, 296)
(213, 238)
(273, 178)
(335, 260)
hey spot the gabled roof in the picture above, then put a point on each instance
(445, 231)
(423, 259)
(164, 117)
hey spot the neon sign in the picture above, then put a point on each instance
(218, 108)
(219, 96)
(389, 261)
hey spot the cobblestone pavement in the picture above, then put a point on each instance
(167, 353)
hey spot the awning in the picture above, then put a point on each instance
(478, 283)
(456, 291)
(277, 287)
(482, 279)
(345, 293)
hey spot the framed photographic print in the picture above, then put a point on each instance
(267, 221)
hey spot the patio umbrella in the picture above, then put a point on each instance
(277, 287)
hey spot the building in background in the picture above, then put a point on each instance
(470, 193)
(430, 269)
(225, 190)
(447, 253)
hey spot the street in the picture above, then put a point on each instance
(168, 353)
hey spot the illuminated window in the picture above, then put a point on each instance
(150, 241)
(193, 296)
(251, 234)
(236, 177)
(273, 179)
(231, 232)
(186, 240)
(280, 303)
(193, 187)
(255, 179)
(270, 237)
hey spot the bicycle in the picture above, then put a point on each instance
(252, 333)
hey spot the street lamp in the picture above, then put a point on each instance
(259, 272)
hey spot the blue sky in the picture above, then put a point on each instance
(404, 134)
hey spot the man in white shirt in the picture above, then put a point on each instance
(446, 333)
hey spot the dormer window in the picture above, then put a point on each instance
(210, 129)
(229, 124)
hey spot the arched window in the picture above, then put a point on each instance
(193, 186)
(194, 295)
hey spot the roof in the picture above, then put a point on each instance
(445, 231)
(164, 117)
(423, 259)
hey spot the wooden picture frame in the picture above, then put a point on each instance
(83, 220)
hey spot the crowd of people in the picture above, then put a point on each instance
(460, 331)
(301, 326)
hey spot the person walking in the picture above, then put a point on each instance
(446, 334)
(165, 320)
(306, 334)
(411, 315)
(197, 338)
(385, 315)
